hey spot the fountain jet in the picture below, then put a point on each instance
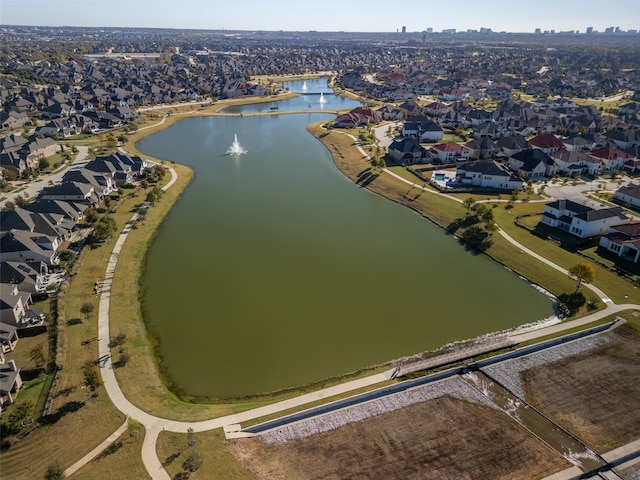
(236, 148)
(322, 99)
(304, 86)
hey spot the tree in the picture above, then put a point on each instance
(91, 377)
(37, 356)
(159, 171)
(469, 203)
(20, 412)
(86, 310)
(103, 229)
(91, 216)
(21, 201)
(582, 273)
(193, 462)
(54, 472)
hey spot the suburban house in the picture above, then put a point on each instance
(72, 211)
(451, 152)
(118, 173)
(580, 220)
(72, 192)
(534, 163)
(407, 151)
(453, 94)
(21, 154)
(14, 305)
(488, 175)
(23, 246)
(629, 194)
(512, 144)
(27, 276)
(103, 183)
(437, 109)
(12, 119)
(8, 337)
(574, 162)
(390, 112)
(51, 224)
(427, 130)
(10, 383)
(483, 148)
(358, 117)
(579, 142)
(624, 241)
(547, 142)
(612, 157)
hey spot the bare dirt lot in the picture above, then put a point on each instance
(444, 438)
(595, 395)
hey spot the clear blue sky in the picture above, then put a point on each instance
(328, 15)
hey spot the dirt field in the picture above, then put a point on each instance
(441, 439)
(596, 395)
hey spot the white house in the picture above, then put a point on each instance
(624, 241)
(427, 130)
(629, 194)
(10, 383)
(580, 220)
(488, 175)
(612, 157)
(574, 162)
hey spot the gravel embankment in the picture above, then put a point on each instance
(508, 372)
(454, 386)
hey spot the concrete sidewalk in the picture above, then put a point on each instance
(96, 451)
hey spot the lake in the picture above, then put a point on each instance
(275, 270)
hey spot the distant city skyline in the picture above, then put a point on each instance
(329, 15)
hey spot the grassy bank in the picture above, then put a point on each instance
(443, 211)
(83, 420)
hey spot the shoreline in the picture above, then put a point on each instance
(336, 154)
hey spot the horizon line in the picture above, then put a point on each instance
(445, 31)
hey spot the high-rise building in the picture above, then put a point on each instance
(589, 29)
(404, 29)
(538, 31)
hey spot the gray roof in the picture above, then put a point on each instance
(631, 190)
(570, 205)
(592, 215)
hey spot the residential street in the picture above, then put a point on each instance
(33, 189)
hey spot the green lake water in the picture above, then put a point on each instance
(275, 270)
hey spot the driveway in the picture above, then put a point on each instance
(580, 193)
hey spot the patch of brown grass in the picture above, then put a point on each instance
(595, 395)
(218, 461)
(121, 459)
(437, 439)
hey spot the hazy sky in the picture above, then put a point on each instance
(328, 15)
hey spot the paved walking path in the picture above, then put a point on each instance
(542, 259)
(154, 425)
(97, 451)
